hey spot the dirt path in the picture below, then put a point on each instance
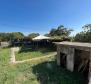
(37, 58)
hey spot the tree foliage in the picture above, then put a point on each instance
(85, 35)
(60, 31)
(16, 35)
(87, 27)
(32, 35)
(11, 36)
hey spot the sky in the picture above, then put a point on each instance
(40, 16)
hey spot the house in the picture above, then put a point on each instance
(75, 56)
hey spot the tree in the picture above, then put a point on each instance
(11, 36)
(60, 31)
(4, 36)
(85, 35)
(16, 35)
(32, 35)
(53, 32)
(87, 27)
(63, 31)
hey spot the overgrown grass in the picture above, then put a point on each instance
(28, 53)
(35, 72)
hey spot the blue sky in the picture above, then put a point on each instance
(41, 15)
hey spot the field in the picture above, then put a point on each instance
(28, 53)
(35, 72)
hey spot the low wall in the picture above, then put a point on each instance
(4, 44)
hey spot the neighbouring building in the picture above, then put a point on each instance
(75, 56)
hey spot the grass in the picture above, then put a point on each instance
(28, 53)
(35, 72)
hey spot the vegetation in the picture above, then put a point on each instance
(32, 35)
(11, 36)
(85, 35)
(59, 32)
(35, 72)
(28, 53)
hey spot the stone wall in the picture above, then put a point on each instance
(4, 44)
(73, 56)
(70, 56)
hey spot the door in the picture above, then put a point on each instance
(63, 57)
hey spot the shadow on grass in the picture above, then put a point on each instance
(50, 73)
